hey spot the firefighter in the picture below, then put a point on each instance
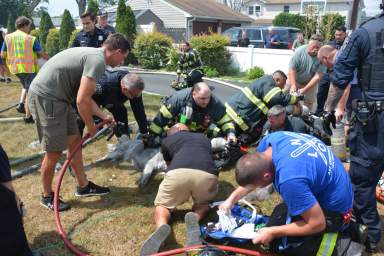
(198, 109)
(248, 109)
(189, 66)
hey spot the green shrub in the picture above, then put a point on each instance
(45, 25)
(66, 28)
(11, 24)
(173, 58)
(329, 23)
(254, 73)
(52, 44)
(93, 7)
(212, 50)
(72, 37)
(210, 72)
(285, 19)
(35, 33)
(152, 49)
(232, 71)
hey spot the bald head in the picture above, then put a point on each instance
(177, 128)
(326, 55)
(251, 168)
(201, 94)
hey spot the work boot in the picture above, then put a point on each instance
(8, 80)
(155, 240)
(2, 79)
(47, 202)
(91, 190)
(358, 232)
(20, 108)
(29, 120)
(193, 229)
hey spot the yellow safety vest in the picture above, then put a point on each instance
(20, 55)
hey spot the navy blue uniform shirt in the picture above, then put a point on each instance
(84, 39)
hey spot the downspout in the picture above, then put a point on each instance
(190, 33)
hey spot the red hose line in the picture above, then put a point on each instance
(60, 228)
(221, 247)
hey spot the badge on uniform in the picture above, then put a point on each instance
(100, 38)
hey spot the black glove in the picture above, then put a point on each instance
(300, 97)
(329, 119)
(150, 140)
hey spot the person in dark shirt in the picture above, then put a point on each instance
(191, 173)
(13, 240)
(272, 40)
(113, 90)
(90, 36)
(103, 24)
(244, 40)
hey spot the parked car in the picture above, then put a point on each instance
(258, 35)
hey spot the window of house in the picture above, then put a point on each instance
(250, 10)
(286, 8)
(257, 10)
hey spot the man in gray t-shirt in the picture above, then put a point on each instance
(305, 71)
(70, 76)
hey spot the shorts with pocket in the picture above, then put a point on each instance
(26, 79)
(181, 184)
(55, 121)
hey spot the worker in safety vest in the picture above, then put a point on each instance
(21, 51)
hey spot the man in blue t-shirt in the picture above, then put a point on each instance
(313, 183)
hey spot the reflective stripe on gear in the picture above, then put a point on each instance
(327, 245)
(236, 118)
(227, 126)
(165, 112)
(292, 100)
(271, 94)
(155, 128)
(256, 101)
(225, 119)
(214, 129)
(20, 55)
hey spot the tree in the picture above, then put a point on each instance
(66, 28)
(28, 14)
(236, 5)
(103, 3)
(122, 25)
(52, 44)
(11, 24)
(93, 7)
(329, 23)
(45, 25)
(285, 19)
(131, 33)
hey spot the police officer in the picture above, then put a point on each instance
(90, 36)
(196, 107)
(103, 23)
(113, 90)
(248, 109)
(364, 51)
(189, 66)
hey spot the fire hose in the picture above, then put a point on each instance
(78, 252)
(60, 228)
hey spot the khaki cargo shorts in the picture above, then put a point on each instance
(181, 184)
(55, 121)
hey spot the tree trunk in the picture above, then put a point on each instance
(81, 4)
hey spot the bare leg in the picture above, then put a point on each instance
(23, 95)
(48, 171)
(162, 215)
(200, 210)
(77, 161)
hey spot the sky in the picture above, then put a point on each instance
(56, 7)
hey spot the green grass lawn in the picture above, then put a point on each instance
(116, 224)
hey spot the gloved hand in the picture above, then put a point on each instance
(150, 140)
(300, 96)
(329, 119)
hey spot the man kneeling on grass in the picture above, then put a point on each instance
(191, 173)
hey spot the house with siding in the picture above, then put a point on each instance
(264, 11)
(181, 19)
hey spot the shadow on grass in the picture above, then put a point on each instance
(50, 244)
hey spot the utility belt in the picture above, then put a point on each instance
(365, 113)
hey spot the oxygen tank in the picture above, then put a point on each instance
(338, 142)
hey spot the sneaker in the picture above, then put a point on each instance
(47, 202)
(29, 120)
(154, 241)
(193, 229)
(9, 80)
(20, 108)
(2, 79)
(92, 190)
